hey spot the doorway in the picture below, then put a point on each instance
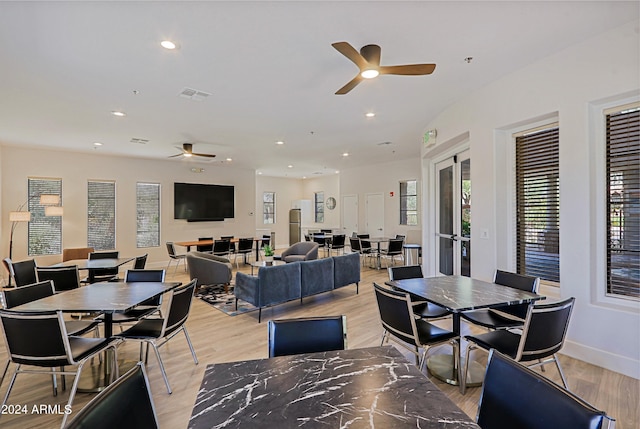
(375, 215)
(453, 215)
(349, 214)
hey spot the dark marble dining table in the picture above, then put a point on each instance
(459, 294)
(374, 387)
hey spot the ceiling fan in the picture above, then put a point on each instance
(368, 61)
(187, 151)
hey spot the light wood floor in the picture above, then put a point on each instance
(221, 338)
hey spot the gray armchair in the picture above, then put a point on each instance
(210, 270)
(302, 251)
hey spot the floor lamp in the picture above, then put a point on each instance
(52, 209)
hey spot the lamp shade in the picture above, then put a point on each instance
(20, 216)
(49, 200)
(53, 211)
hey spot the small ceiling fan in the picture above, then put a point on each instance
(187, 151)
(368, 61)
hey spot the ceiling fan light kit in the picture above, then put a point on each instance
(368, 61)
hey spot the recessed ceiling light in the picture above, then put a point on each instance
(279, 142)
(345, 154)
(97, 144)
(289, 166)
(118, 113)
(337, 171)
(369, 73)
(259, 173)
(168, 44)
(304, 177)
(370, 114)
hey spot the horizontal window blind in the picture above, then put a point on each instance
(538, 204)
(268, 207)
(148, 215)
(101, 215)
(623, 203)
(409, 202)
(45, 232)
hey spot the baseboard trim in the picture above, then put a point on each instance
(612, 362)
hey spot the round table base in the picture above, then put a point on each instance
(441, 367)
(94, 379)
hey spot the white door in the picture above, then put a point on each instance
(375, 215)
(453, 215)
(349, 214)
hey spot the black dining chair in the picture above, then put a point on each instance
(245, 247)
(337, 243)
(207, 248)
(394, 249)
(307, 335)
(63, 278)
(59, 349)
(156, 332)
(126, 403)
(103, 274)
(543, 335)
(173, 256)
(33, 292)
(422, 309)
(506, 316)
(232, 246)
(514, 396)
(222, 248)
(400, 325)
(23, 272)
(140, 262)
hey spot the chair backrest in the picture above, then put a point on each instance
(20, 328)
(395, 246)
(396, 313)
(24, 272)
(326, 231)
(400, 237)
(365, 245)
(104, 255)
(144, 275)
(179, 307)
(103, 271)
(545, 330)
(205, 247)
(307, 335)
(266, 240)
(171, 249)
(245, 245)
(337, 241)
(355, 244)
(63, 278)
(514, 396)
(221, 247)
(125, 403)
(76, 253)
(364, 236)
(516, 281)
(28, 293)
(405, 272)
(140, 262)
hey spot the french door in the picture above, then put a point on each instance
(453, 215)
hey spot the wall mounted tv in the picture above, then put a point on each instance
(200, 202)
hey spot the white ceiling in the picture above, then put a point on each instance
(270, 70)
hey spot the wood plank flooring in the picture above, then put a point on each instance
(221, 338)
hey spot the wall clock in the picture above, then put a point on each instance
(331, 203)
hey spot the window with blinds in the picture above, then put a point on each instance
(623, 202)
(101, 215)
(148, 215)
(45, 232)
(319, 210)
(268, 207)
(409, 202)
(538, 203)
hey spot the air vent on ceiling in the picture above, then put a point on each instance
(384, 143)
(193, 94)
(139, 141)
(317, 172)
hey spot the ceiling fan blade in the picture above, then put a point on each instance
(349, 86)
(206, 155)
(410, 69)
(349, 51)
(175, 156)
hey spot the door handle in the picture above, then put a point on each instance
(454, 237)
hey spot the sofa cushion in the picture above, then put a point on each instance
(278, 283)
(346, 269)
(317, 276)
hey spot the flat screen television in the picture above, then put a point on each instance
(201, 202)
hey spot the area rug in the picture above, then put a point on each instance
(225, 301)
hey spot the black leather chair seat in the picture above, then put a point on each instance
(429, 310)
(145, 328)
(428, 333)
(490, 319)
(132, 315)
(82, 347)
(505, 341)
(79, 327)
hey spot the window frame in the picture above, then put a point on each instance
(268, 218)
(92, 226)
(139, 231)
(318, 199)
(403, 207)
(38, 218)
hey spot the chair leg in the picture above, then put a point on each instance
(4, 373)
(54, 380)
(564, 380)
(13, 380)
(463, 381)
(161, 365)
(72, 394)
(193, 352)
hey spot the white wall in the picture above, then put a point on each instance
(568, 85)
(17, 164)
(382, 179)
(286, 191)
(330, 185)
